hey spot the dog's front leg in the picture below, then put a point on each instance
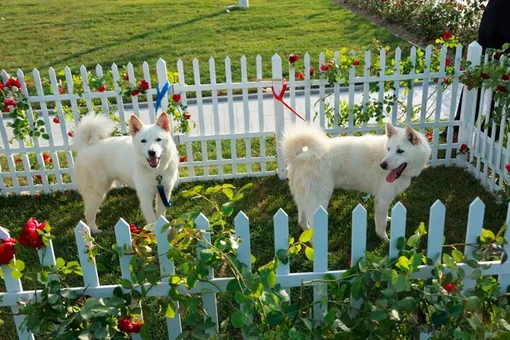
(146, 204)
(160, 207)
(381, 217)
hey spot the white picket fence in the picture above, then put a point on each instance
(287, 279)
(253, 119)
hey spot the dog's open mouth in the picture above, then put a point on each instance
(153, 161)
(396, 173)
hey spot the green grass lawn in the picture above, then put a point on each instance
(453, 186)
(72, 32)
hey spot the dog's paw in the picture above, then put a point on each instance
(383, 237)
(388, 219)
(95, 231)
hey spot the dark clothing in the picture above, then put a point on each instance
(494, 31)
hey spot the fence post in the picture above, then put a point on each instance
(244, 3)
(468, 109)
(278, 114)
(162, 79)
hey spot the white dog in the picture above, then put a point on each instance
(135, 161)
(380, 165)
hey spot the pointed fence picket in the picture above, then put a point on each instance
(225, 113)
(284, 277)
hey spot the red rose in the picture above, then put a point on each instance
(29, 235)
(446, 35)
(9, 102)
(448, 287)
(7, 250)
(135, 92)
(447, 62)
(144, 85)
(506, 76)
(501, 88)
(482, 7)
(387, 52)
(126, 76)
(61, 90)
(18, 160)
(187, 115)
(355, 62)
(101, 88)
(137, 326)
(56, 120)
(70, 134)
(47, 158)
(312, 71)
(507, 167)
(422, 15)
(134, 229)
(300, 75)
(39, 177)
(324, 68)
(183, 159)
(447, 81)
(176, 97)
(463, 147)
(13, 82)
(1, 86)
(350, 262)
(36, 196)
(125, 325)
(293, 58)
(428, 135)
(485, 75)
(497, 55)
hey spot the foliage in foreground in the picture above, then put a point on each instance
(377, 297)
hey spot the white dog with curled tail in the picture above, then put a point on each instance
(135, 161)
(380, 165)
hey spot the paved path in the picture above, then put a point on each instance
(252, 110)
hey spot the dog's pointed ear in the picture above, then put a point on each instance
(135, 125)
(164, 122)
(390, 130)
(412, 136)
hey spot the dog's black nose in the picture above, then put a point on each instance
(152, 153)
(384, 165)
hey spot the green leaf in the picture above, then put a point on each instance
(473, 304)
(356, 287)
(228, 192)
(476, 274)
(448, 261)
(487, 234)
(378, 315)
(151, 267)
(309, 253)
(238, 319)
(473, 264)
(126, 284)
(274, 318)
(16, 275)
(145, 333)
(401, 241)
(20, 265)
(439, 318)
(306, 235)
(271, 279)
(170, 309)
(457, 256)
(227, 210)
(402, 284)
(403, 262)
(246, 186)
(388, 292)
(282, 256)
(407, 304)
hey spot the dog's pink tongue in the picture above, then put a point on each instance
(154, 161)
(392, 176)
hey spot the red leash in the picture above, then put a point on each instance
(279, 97)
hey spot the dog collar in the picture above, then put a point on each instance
(161, 190)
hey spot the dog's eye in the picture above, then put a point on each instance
(143, 141)
(400, 151)
(158, 140)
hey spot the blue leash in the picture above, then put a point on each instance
(161, 190)
(161, 187)
(160, 95)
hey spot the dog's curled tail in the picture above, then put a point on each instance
(304, 142)
(91, 129)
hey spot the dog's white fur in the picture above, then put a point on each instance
(102, 159)
(318, 164)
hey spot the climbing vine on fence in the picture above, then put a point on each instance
(391, 301)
